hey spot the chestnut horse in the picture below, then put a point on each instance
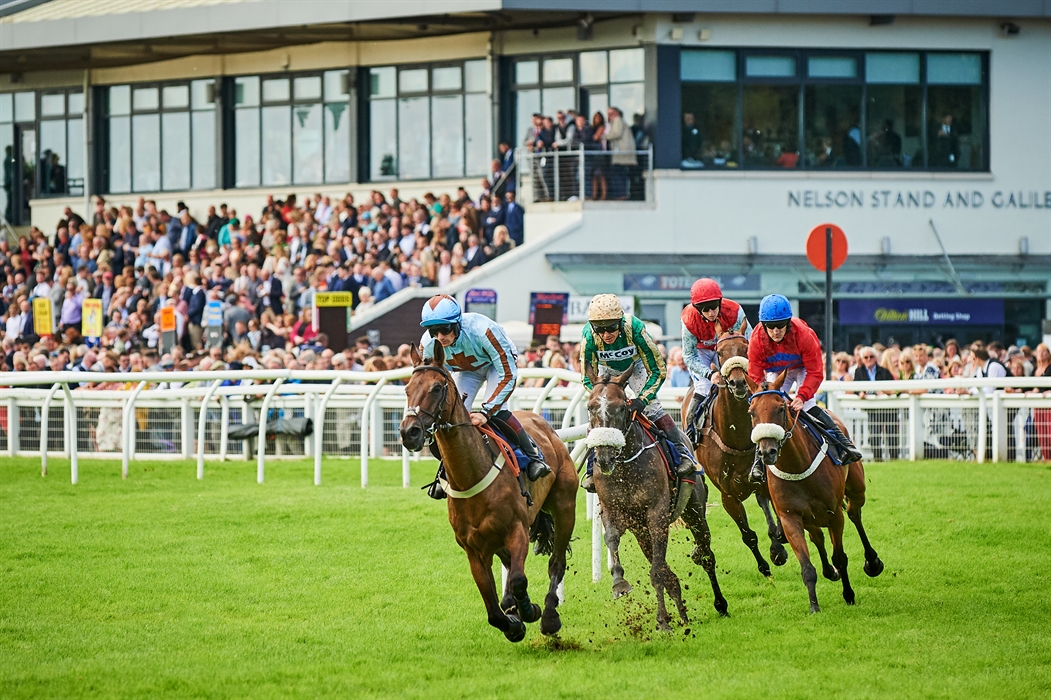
(487, 510)
(725, 449)
(808, 488)
(633, 487)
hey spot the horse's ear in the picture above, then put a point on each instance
(439, 354)
(780, 381)
(752, 386)
(415, 356)
(621, 380)
(589, 372)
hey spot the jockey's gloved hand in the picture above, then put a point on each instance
(636, 406)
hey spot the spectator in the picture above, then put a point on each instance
(678, 374)
(514, 219)
(841, 368)
(622, 144)
(883, 430)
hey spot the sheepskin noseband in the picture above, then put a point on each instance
(733, 363)
(605, 437)
(767, 430)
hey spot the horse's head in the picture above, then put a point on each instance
(732, 350)
(771, 417)
(609, 417)
(427, 396)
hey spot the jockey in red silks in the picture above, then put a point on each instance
(699, 340)
(781, 342)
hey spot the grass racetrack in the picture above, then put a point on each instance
(166, 586)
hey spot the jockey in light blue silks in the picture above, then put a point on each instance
(479, 351)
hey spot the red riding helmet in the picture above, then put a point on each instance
(705, 289)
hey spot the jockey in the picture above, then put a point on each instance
(480, 352)
(788, 343)
(707, 307)
(612, 344)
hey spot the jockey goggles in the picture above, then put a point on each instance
(443, 329)
(605, 326)
(777, 324)
(704, 306)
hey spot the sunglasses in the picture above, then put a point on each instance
(603, 328)
(778, 324)
(708, 305)
(444, 329)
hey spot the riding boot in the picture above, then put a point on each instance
(692, 421)
(536, 468)
(588, 484)
(849, 451)
(688, 463)
(757, 475)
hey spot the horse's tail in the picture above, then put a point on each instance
(542, 532)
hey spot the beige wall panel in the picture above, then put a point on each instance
(443, 48)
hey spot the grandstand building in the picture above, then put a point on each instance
(921, 127)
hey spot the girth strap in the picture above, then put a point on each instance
(482, 485)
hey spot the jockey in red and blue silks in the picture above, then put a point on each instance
(779, 343)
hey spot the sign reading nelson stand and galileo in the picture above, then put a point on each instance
(887, 198)
(953, 312)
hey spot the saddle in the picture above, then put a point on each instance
(819, 434)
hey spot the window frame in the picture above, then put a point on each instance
(66, 117)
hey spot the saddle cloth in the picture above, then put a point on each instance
(817, 434)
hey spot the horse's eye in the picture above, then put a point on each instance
(436, 388)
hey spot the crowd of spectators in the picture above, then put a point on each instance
(263, 268)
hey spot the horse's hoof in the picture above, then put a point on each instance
(849, 597)
(517, 631)
(533, 614)
(778, 555)
(721, 607)
(831, 573)
(764, 569)
(814, 608)
(621, 589)
(663, 627)
(874, 568)
(550, 622)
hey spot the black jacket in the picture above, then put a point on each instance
(882, 375)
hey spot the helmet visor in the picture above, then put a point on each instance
(442, 329)
(708, 306)
(603, 327)
(777, 324)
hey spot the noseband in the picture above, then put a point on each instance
(718, 342)
(787, 400)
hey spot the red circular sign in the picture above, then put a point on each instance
(815, 246)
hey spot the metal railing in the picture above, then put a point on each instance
(563, 175)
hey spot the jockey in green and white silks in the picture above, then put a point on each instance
(613, 344)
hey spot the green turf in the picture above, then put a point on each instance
(163, 585)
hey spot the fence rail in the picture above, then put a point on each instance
(578, 174)
(187, 415)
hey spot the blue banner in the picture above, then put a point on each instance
(955, 312)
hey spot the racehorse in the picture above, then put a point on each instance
(808, 488)
(631, 481)
(487, 510)
(725, 449)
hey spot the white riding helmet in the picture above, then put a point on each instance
(605, 307)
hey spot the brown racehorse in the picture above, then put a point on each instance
(808, 488)
(725, 449)
(633, 487)
(487, 511)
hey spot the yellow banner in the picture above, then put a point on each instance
(91, 324)
(327, 299)
(42, 323)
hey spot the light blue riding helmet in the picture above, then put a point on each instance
(440, 310)
(774, 307)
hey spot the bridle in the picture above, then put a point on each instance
(787, 401)
(718, 342)
(434, 416)
(629, 429)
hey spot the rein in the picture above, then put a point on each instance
(821, 453)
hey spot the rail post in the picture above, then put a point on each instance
(1000, 428)
(1021, 449)
(406, 472)
(186, 428)
(915, 427)
(12, 427)
(44, 415)
(983, 415)
(319, 427)
(71, 425)
(224, 427)
(259, 470)
(129, 429)
(582, 179)
(365, 425)
(202, 423)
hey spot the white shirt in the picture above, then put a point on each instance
(14, 325)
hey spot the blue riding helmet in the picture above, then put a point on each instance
(774, 307)
(440, 310)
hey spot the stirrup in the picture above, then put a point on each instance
(435, 490)
(588, 484)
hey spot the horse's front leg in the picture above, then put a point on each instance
(518, 547)
(793, 525)
(773, 530)
(661, 575)
(735, 509)
(696, 517)
(507, 602)
(613, 530)
(839, 555)
(818, 538)
(482, 571)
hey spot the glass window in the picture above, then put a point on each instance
(52, 175)
(7, 141)
(957, 128)
(75, 154)
(175, 136)
(446, 78)
(894, 118)
(709, 133)
(120, 154)
(892, 68)
(203, 124)
(246, 91)
(954, 69)
(833, 137)
(629, 98)
(414, 144)
(381, 82)
(337, 85)
(478, 133)
(276, 90)
(447, 136)
(709, 66)
(559, 98)
(308, 88)
(476, 76)
(832, 67)
(6, 107)
(770, 67)
(527, 103)
(52, 105)
(626, 65)
(527, 72)
(413, 80)
(120, 99)
(146, 152)
(246, 130)
(277, 145)
(145, 99)
(176, 96)
(76, 103)
(25, 106)
(558, 70)
(594, 68)
(770, 122)
(306, 143)
(202, 93)
(383, 139)
(337, 142)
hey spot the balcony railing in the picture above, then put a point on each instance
(579, 174)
